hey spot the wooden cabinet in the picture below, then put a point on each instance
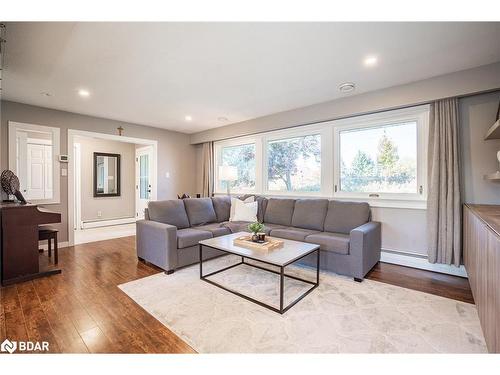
(481, 244)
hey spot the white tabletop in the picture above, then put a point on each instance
(290, 252)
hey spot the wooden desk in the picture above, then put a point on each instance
(19, 241)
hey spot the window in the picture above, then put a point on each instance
(382, 159)
(241, 156)
(294, 164)
(144, 184)
(381, 156)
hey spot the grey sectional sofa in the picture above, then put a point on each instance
(349, 241)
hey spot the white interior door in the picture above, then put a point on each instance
(47, 171)
(21, 160)
(144, 178)
(35, 184)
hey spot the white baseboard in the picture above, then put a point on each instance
(421, 262)
(60, 245)
(107, 223)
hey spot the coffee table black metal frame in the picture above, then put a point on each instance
(282, 309)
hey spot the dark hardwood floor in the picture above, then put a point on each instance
(82, 310)
(440, 284)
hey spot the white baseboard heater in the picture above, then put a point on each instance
(107, 222)
(419, 261)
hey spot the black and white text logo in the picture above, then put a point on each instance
(23, 346)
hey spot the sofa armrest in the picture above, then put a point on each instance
(157, 243)
(365, 244)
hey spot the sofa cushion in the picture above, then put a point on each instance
(262, 203)
(279, 211)
(334, 242)
(217, 229)
(248, 199)
(262, 208)
(292, 233)
(242, 226)
(268, 227)
(242, 211)
(200, 210)
(189, 237)
(342, 217)
(169, 212)
(222, 207)
(310, 213)
(237, 226)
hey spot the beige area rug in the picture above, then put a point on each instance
(340, 316)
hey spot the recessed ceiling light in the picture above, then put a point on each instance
(84, 93)
(222, 119)
(347, 87)
(370, 60)
(188, 118)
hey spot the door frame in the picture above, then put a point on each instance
(56, 150)
(71, 173)
(137, 174)
(77, 179)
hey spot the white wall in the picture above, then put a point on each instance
(175, 154)
(479, 157)
(461, 83)
(405, 230)
(110, 207)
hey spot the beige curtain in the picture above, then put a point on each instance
(443, 201)
(208, 169)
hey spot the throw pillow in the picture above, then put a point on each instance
(245, 211)
(233, 205)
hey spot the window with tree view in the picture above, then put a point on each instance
(294, 164)
(243, 158)
(379, 159)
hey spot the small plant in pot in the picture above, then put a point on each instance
(257, 232)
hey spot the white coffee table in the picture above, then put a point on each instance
(291, 252)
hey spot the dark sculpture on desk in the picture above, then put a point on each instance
(10, 184)
(19, 222)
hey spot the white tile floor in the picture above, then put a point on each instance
(104, 233)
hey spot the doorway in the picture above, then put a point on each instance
(144, 178)
(92, 218)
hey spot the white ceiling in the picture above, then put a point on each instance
(157, 73)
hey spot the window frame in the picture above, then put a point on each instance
(240, 141)
(420, 115)
(324, 133)
(330, 157)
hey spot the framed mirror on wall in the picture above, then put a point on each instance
(106, 175)
(33, 156)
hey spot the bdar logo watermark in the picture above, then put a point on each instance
(8, 346)
(24, 346)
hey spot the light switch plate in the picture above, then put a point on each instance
(64, 172)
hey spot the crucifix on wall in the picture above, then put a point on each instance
(120, 130)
